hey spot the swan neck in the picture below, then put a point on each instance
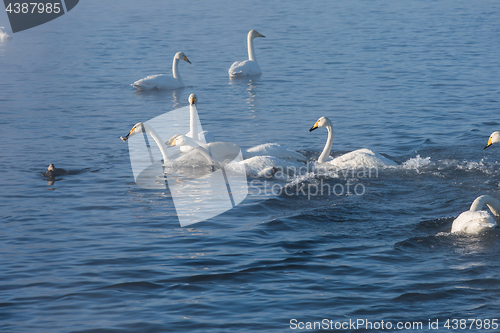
(193, 128)
(158, 141)
(492, 203)
(175, 70)
(328, 146)
(251, 53)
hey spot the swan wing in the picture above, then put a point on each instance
(159, 81)
(244, 68)
(223, 151)
(191, 158)
(264, 166)
(362, 158)
(275, 150)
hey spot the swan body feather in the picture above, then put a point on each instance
(361, 158)
(244, 68)
(275, 150)
(476, 220)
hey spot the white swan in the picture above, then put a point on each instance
(226, 152)
(3, 34)
(204, 153)
(269, 166)
(144, 127)
(274, 150)
(476, 220)
(248, 67)
(204, 136)
(494, 138)
(163, 81)
(356, 159)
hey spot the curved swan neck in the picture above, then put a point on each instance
(193, 128)
(148, 129)
(175, 70)
(492, 203)
(328, 147)
(251, 53)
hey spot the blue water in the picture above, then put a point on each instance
(93, 252)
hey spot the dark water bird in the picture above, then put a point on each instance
(52, 171)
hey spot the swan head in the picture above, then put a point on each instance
(181, 56)
(193, 99)
(138, 128)
(494, 138)
(321, 122)
(177, 140)
(254, 34)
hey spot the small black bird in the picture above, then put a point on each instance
(52, 171)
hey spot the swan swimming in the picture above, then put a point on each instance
(355, 159)
(476, 220)
(494, 138)
(163, 81)
(198, 138)
(256, 166)
(248, 67)
(205, 153)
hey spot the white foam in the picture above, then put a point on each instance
(416, 162)
(3, 34)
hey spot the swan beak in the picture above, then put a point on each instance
(260, 35)
(186, 59)
(170, 143)
(124, 138)
(314, 127)
(489, 144)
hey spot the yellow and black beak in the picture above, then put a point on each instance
(186, 59)
(125, 138)
(260, 35)
(171, 142)
(489, 144)
(314, 127)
